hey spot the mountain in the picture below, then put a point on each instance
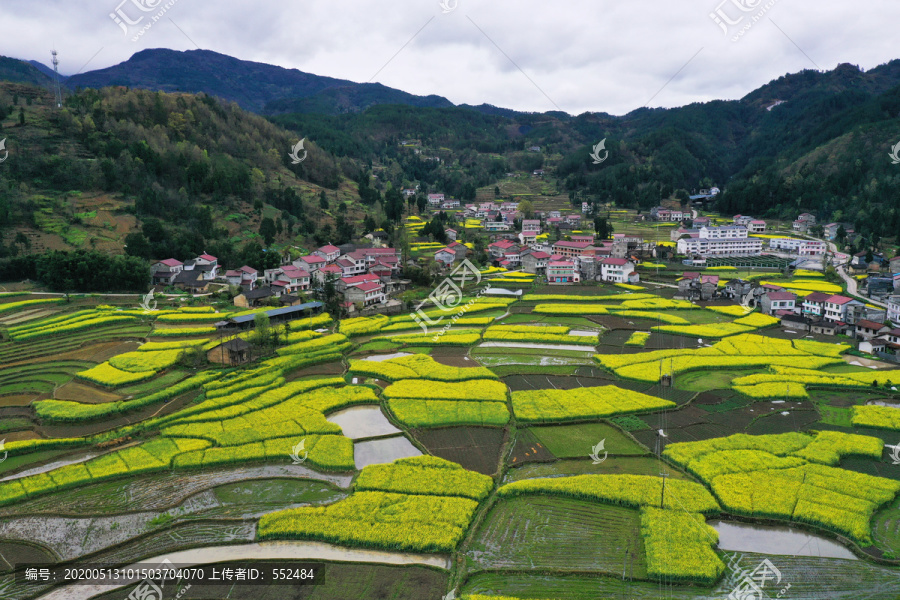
(46, 70)
(257, 87)
(19, 71)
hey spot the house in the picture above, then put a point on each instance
(205, 264)
(164, 271)
(801, 247)
(570, 249)
(756, 226)
(814, 304)
(451, 234)
(562, 271)
(616, 270)
(534, 149)
(720, 241)
(693, 285)
(366, 294)
(497, 249)
(796, 323)
(528, 238)
(773, 302)
(254, 298)
(865, 312)
(836, 308)
(872, 346)
(191, 281)
(311, 263)
(827, 327)
(535, 261)
(742, 220)
(537, 173)
(435, 199)
(295, 279)
(701, 222)
(246, 277)
(497, 226)
(448, 204)
(583, 237)
(448, 256)
(866, 330)
(344, 282)
(329, 272)
(831, 230)
(531, 225)
(329, 253)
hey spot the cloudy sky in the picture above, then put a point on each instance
(529, 55)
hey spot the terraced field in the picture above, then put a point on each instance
(524, 456)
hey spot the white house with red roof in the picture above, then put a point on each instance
(366, 294)
(435, 199)
(325, 272)
(814, 304)
(742, 220)
(329, 253)
(756, 226)
(451, 234)
(616, 270)
(246, 277)
(448, 255)
(311, 263)
(497, 249)
(773, 302)
(164, 271)
(836, 308)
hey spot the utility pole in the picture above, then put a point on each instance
(662, 499)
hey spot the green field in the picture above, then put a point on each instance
(577, 441)
(556, 533)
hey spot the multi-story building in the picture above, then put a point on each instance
(756, 226)
(743, 220)
(534, 261)
(814, 304)
(571, 249)
(719, 247)
(836, 308)
(562, 272)
(773, 301)
(531, 225)
(893, 309)
(616, 270)
(801, 247)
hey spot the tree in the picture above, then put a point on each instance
(323, 201)
(137, 245)
(267, 230)
(841, 234)
(262, 329)
(393, 204)
(603, 228)
(421, 203)
(496, 191)
(21, 115)
(527, 209)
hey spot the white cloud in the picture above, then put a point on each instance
(586, 56)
